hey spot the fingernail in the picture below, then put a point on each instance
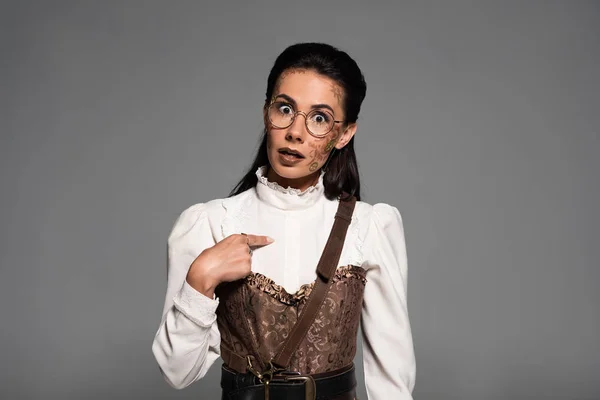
(270, 239)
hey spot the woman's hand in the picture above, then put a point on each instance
(226, 261)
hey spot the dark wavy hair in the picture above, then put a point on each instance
(341, 168)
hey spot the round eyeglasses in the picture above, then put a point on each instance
(318, 122)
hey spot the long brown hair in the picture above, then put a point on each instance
(341, 174)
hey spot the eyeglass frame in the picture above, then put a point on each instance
(305, 119)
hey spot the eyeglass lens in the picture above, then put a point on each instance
(318, 122)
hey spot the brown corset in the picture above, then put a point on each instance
(255, 316)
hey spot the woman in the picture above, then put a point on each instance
(242, 270)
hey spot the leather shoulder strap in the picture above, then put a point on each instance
(325, 271)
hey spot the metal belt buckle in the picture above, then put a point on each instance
(310, 387)
(265, 377)
(272, 371)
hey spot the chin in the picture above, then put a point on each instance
(296, 171)
(290, 172)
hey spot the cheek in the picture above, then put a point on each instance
(272, 137)
(330, 144)
(321, 149)
(327, 143)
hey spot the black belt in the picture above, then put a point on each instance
(289, 385)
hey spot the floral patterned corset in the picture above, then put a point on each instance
(255, 316)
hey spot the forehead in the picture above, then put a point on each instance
(308, 87)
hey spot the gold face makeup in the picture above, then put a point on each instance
(296, 154)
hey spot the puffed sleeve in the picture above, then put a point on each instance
(188, 339)
(388, 353)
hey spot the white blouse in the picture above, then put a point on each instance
(188, 339)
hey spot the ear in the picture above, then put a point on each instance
(346, 136)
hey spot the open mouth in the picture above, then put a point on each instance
(291, 153)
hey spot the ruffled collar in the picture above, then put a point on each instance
(287, 198)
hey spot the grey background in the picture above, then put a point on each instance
(481, 124)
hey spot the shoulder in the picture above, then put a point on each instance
(380, 214)
(214, 208)
(369, 223)
(211, 214)
(384, 222)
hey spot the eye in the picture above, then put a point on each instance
(320, 118)
(285, 109)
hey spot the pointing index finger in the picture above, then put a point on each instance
(258, 240)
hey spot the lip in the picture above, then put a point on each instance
(288, 150)
(289, 160)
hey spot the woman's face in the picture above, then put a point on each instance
(305, 91)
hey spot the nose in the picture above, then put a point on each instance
(297, 131)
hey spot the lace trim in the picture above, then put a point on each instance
(354, 254)
(235, 215)
(197, 307)
(278, 292)
(260, 174)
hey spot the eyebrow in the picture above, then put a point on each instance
(314, 106)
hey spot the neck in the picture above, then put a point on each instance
(301, 184)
